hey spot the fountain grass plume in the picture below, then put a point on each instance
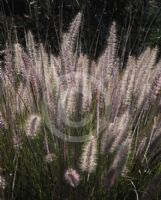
(32, 125)
(88, 159)
(72, 177)
(68, 87)
(119, 163)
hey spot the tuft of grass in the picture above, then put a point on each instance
(97, 126)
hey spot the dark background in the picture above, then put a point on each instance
(138, 22)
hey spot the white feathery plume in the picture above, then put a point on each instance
(142, 65)
(119, 163)
(83, 81)
(112, 49)
(70, 104)
(32, 125)
(142, 96)
(72, 177)
(68, 44)
(108, 138)
(86, 91)
(42, 60)
(125, 79)
(18, 62)
(88, 158)
(24, 100)
(121, 131)
(130, 87)
(107, 61)
(153, 56)
(146, 78)
(2, 182)
(108, 94)
(30, 43)
(54, 65)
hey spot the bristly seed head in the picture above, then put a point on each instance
(88, 158)
(32, 125)
(2, 182)
(72, 177)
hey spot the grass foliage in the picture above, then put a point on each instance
(76, 128)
